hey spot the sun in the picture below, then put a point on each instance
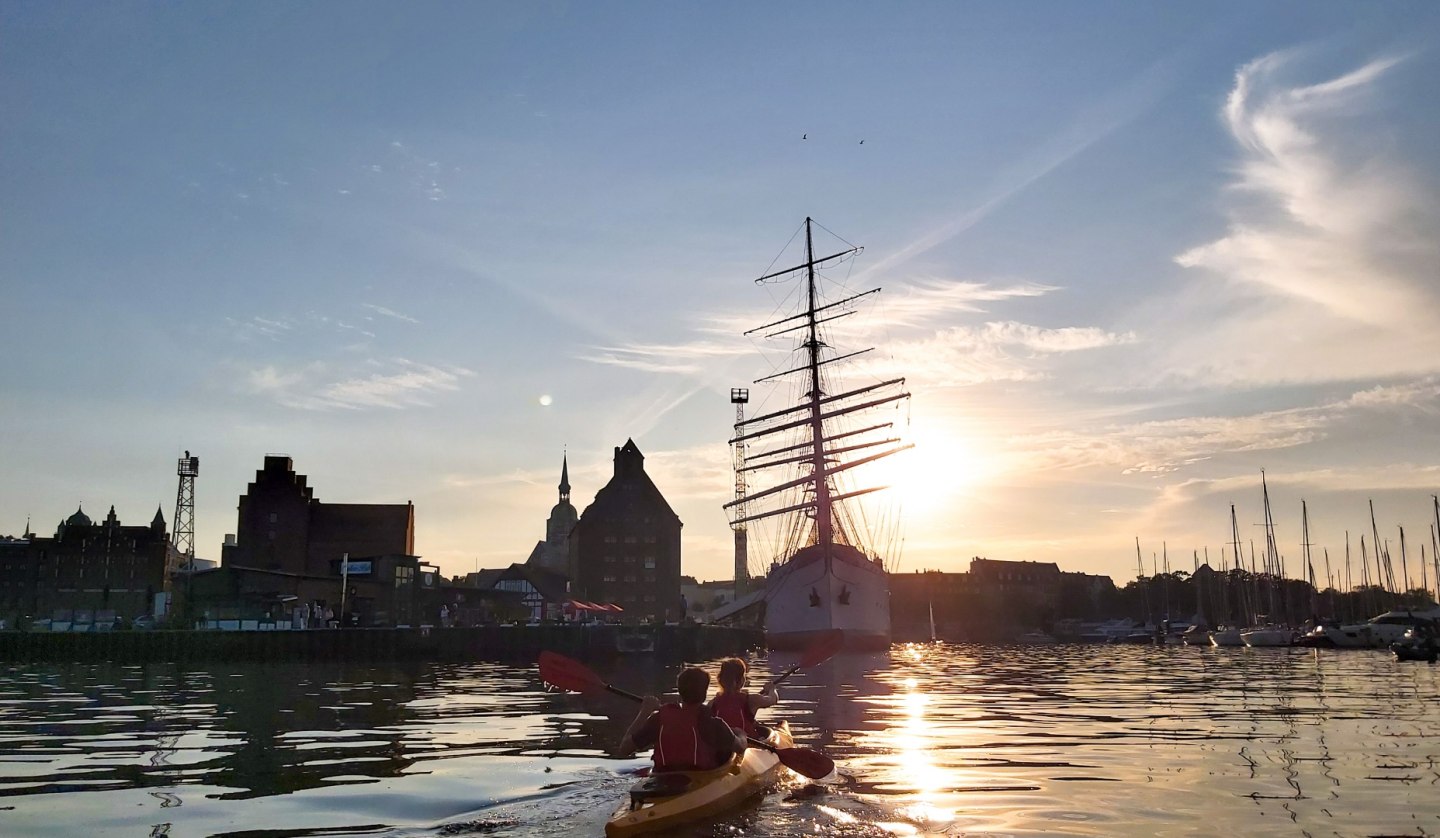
(941, 469)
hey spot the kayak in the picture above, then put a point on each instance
(663, 801)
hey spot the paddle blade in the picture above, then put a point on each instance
(823, 648)
(804, 761)
(568, 674)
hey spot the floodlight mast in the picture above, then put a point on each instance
(740, 396)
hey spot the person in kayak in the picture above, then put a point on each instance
(686, 736)
(736, 706)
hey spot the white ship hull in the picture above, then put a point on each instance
(1275, 636)
(812, 594)
(1226, 637)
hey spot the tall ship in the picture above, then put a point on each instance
(795, 471)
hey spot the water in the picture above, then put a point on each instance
(930, 740)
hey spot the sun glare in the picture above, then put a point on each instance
(941, 469)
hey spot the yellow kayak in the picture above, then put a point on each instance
(666, 800)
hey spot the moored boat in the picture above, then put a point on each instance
(1380, 631)
(664, 801)
(826, 573)
(1229, 636)
(1269, 636)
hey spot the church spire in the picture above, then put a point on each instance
(565, 479)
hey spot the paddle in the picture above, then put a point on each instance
(574, 676)
(820, 650)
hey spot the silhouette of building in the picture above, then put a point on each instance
(283, 527)
(626, 546)
(288, 549)
(88, 573)
(554, 552)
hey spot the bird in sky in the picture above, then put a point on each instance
(804, 136)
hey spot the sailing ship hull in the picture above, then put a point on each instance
(818, 591)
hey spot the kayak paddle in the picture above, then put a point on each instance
(820, 650)
(572, 675)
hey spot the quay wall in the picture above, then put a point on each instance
(691, 642)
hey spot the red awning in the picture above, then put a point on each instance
(610, 606)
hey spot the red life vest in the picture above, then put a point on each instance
(734, 708)
(679, 747)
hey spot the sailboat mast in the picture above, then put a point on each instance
(824, 520)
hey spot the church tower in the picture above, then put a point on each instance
(554, 552)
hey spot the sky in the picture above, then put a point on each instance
(1131, 256)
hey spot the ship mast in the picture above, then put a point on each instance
(817, 459)
(824, 520)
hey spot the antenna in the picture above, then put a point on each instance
(184, 535)
(740, 396)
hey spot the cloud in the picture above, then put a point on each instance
(1326, 269)
(925, 300)
(317, 386)
(679, 358)
(994, 351)
(1165, 446)
(388, 312)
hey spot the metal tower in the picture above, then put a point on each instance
(184, 535)
(739, 396)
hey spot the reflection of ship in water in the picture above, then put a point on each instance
(825, 575)
(829, 702)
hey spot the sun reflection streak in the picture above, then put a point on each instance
(912, 741)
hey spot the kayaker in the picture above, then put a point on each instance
(736, 706)
(686, 736)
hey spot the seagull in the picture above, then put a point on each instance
(862, 142)
(804, 136)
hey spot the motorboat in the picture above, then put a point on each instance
(1381, 631)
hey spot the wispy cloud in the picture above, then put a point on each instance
(925, 300)
(1090, 124)
(317, 386)
(389, 312)
(994, 351)
(681, 358)
(1165, 446)
(1326, 271)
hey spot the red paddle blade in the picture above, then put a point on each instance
(812, 764)
(568, 674)
(823, 648)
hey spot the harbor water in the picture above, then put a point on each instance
(929, 739)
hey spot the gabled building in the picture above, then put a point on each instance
(625, 548)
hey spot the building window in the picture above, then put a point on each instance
(649, 562)
(609, 577)
(609, 560)
(609, 539)
(629, 539)
(274, 517)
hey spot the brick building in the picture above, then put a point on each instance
(625, 548)
(88, 573)
(283, 527)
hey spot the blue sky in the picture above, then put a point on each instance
(1132, 254)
